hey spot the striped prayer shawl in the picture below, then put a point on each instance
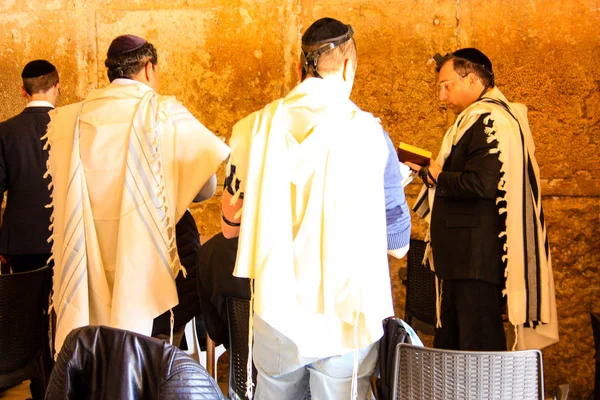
(529, 280)
(146, 226)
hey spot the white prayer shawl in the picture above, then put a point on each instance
(125, 164)
(313, 231)
(529, 280)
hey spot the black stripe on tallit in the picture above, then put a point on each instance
(532, 181)
(543, 221)
(537, 272)
(420, 202)
(534, 187)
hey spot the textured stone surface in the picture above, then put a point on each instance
(225, 59)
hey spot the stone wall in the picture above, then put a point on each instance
(224, 59)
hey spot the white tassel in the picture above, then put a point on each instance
(438, 302)
(354, 385)
(172, 322)
(183, 270)
(514, 346)
(249, 383)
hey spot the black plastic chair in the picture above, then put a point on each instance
(238, 312)
(596, 329)
(420, 288)
(24, 343)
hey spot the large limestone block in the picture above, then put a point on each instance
(26, 36)
(543, 52)
(573, 229)
(221, 62)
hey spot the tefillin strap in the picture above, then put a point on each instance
(311, 52)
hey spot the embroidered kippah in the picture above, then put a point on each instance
(124, 44)
(37, 68)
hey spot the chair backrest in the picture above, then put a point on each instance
(23, 317)
(109, 363)
(596, 331)
(238, 312)
(420, 286)
(425, 373)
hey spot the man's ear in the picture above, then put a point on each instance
(348, 69)
(148, 71)
(472, 78)
(24, 92)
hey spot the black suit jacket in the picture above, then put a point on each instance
(22, 167)
(465, 223)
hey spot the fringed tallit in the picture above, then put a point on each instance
(146, 255)
(529, 279)
(316, 280)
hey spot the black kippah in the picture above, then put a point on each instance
(475, 56)
(324, 30)
(37, 68)
(124, 44)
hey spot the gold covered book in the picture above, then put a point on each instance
(413, 154)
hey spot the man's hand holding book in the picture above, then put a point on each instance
(420, 160)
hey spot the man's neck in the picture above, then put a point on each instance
(48, 97)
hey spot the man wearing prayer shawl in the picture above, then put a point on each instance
(483, 203)
(309, 170)
(125, 163)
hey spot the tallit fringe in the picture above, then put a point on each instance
(438, 302)
(48, 174)
(502, 210)
(249, 383)
(168, 227)
(514, 346)
(50, 330)
(172, 325)
(502, 187)
(354, 385)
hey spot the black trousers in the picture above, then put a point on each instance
(27, 262)
(471, 316)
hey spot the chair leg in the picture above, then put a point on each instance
(407, 318)
(210, 357)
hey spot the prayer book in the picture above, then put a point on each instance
(413, 154)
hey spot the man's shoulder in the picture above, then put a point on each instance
(15, 119)
(364, 118)
(252, 120)
(13, 123)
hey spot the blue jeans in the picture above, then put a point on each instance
(285, 374)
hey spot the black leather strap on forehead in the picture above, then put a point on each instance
(311, 52)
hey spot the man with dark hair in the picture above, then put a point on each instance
(126, 163)
(483, 204)
(24, 233)
(306, 171)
